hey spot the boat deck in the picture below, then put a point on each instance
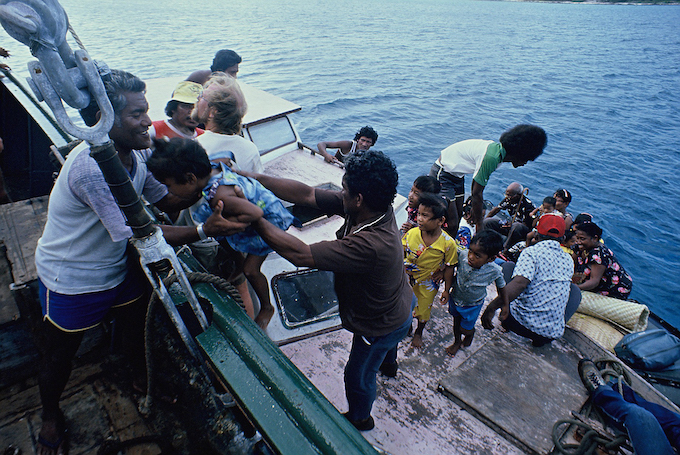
(97, 408)
(506, 393)
(498, 396)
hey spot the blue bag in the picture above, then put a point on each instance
(650, 350)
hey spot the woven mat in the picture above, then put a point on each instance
(601, 331)
(633, 316)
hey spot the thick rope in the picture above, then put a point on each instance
(75, 37)
(592, 438)
(194, 277)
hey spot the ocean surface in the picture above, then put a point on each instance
(602, 80)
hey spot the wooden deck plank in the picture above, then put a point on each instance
(21, 225)
(526, 403)
(411, 416)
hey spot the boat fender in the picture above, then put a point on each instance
(651, 350)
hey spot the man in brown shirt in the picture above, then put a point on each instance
(375, 298)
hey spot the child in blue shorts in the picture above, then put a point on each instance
(476, 270)
(183, 166)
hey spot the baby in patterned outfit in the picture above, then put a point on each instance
(183, 166)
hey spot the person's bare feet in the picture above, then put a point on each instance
(453, 349)
(52, 438)
(467, 341)
(264, 316)
(417, 341)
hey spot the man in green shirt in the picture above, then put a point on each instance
(518, 145)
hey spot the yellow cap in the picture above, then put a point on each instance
(187, 92)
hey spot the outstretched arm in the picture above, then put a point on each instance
(477, 204)
(493, 211)
(345, 146)
(510, 292)
(289, 247)
(286, 189)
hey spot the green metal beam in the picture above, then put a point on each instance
(291, 414)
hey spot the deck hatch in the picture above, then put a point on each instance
(305, 296)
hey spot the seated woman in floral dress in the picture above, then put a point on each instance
(597, 269)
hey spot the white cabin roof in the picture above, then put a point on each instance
(261, 105)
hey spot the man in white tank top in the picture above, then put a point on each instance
(364, 139)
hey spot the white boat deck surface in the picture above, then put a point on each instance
(412, 416)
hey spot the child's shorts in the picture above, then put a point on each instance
(468, 313)
(74, 313)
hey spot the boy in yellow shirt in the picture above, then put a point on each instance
(426, 248)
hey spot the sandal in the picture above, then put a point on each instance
(58, 447)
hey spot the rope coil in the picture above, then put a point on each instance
(194, 277)
(595, 437)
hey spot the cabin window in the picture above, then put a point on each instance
(305, 296)
(272, 134)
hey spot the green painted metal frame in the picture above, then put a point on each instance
(291, 414)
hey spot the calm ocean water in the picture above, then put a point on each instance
(603, 80)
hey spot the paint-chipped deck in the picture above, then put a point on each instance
(412, 416)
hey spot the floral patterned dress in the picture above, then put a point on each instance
(615, 282)
(247, 241)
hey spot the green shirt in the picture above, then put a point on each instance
(494, 156)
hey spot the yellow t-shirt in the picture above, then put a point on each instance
(422, 261)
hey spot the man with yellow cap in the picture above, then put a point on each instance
(180, 123)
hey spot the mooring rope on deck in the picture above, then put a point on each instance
(194, 277)
(593, 438)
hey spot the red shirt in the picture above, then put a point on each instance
(163, 128)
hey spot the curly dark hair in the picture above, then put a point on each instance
(171, 107)
(591, 229)
(224, 58)
(368, 132)
(564, 194)
(373, 175)
(524, 142)
(550, 200)
(176, 158)
(490, 242)
(117, 83)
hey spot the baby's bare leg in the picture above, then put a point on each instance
(251, 268)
